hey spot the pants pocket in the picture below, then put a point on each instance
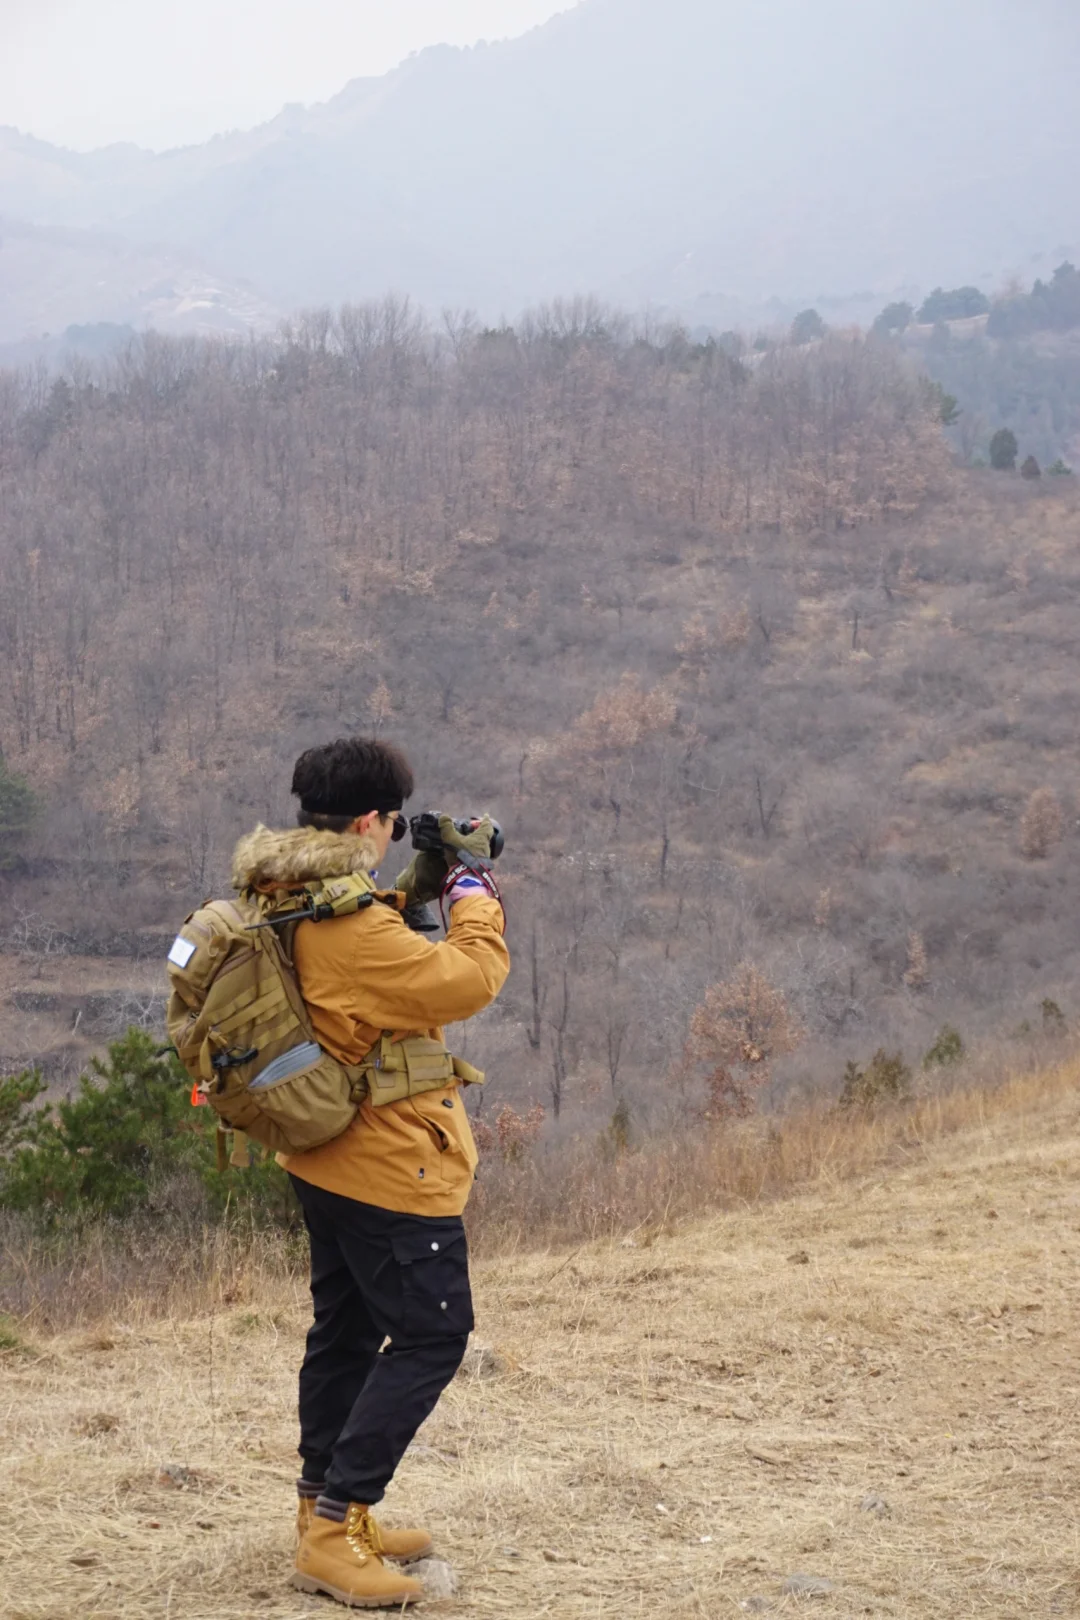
(436, 1294)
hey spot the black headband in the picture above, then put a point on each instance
(385, 806)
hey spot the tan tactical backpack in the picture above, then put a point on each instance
(243, 1033)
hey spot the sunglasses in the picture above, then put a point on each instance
(401, 827)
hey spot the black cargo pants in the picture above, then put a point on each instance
(376, 1276)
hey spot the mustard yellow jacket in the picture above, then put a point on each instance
(369, 972)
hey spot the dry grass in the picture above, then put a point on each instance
(584, 1187)
(145, 1270)
(175, 1265)
(683, 1420)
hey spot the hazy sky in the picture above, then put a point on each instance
(166, 72)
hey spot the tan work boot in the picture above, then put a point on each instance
(403, 1546)
(343, 1559)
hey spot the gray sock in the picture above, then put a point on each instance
(328, 1507)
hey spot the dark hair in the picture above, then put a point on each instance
(341, 780)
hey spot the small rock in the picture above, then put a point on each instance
(177, 1475)
(439, 1578)
(85, 1558)
(799, 1258)
(509, 1552)
(744, 1413)
(874, 1504)
(761, 1454)
(756, 1605)
(97, 1423)
(481, 1361)
(551, 1557)
(807, 1586)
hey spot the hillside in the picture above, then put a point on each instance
(53, 277)
(673, 154)
(863, 1386)
(749, 672)
(1029, 383)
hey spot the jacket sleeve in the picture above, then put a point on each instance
(409, 982)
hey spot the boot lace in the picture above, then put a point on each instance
(362, 1533)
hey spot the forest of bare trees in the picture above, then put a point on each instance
(721, 642)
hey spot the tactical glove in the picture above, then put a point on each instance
(472, 849)
(424, 878)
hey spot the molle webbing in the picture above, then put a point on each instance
(394, 1070)
(240, 1012)
(424, 1061)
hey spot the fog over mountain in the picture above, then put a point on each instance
(678, 152)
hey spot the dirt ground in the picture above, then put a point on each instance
(56, 1011)
(873, 1387)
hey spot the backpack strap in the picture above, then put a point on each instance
(240, 1157)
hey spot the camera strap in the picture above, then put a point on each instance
(473, 873)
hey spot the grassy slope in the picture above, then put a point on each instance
(680, 1424)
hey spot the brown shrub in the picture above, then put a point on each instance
(513, 1133)
(623, 716)
(740, 1027)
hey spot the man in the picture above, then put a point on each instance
(383, 1202)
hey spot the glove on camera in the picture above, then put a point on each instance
(424, 879)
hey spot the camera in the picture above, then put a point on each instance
(426, 834)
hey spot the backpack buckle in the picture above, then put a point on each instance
(233, 1059)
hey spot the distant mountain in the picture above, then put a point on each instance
(679, 152)
(52, 277)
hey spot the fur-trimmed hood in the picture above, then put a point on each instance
(267, 859)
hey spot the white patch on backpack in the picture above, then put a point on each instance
(182, 951)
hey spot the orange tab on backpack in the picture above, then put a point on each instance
(199, 1098)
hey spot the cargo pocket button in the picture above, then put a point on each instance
(442, 1307)
(435, 1247)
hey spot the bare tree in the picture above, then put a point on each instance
(1041, 825)
(559, 1024)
